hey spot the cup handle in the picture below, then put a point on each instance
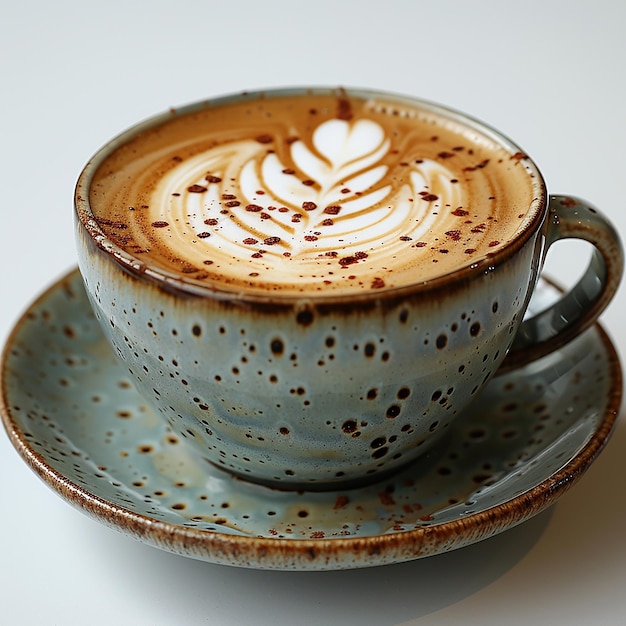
(577, 309)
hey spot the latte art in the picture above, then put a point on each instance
(254, 207)
(308, 201)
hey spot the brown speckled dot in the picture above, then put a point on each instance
(349, 426)
(380, 453)
(403, 393)
(393, 411)
(278, 347)
(305, 317)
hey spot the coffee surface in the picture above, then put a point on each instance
(312, 193)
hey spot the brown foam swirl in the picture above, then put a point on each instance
(342, 204)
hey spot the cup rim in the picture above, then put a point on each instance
(173, 282)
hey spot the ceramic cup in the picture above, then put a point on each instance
(312, 391)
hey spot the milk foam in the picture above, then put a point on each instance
(350, 205)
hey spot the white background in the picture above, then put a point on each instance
(72, 74)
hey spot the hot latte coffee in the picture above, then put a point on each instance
(360, 266)
(312, 192)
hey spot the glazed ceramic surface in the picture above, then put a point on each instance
(72, 412)
(310, 397)
(316, 390)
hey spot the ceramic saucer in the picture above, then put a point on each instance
(74, 416)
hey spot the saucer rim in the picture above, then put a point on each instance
(315, 554)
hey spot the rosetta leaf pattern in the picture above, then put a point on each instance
(343, 193)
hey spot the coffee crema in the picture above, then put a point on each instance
(308, 193)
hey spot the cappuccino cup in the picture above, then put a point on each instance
(311, 285)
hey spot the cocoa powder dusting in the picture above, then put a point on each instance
(196, 189)
(344, 109)
(460, 212)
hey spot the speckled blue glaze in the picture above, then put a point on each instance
(305, 393)
(72, 412)
(321, 390)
